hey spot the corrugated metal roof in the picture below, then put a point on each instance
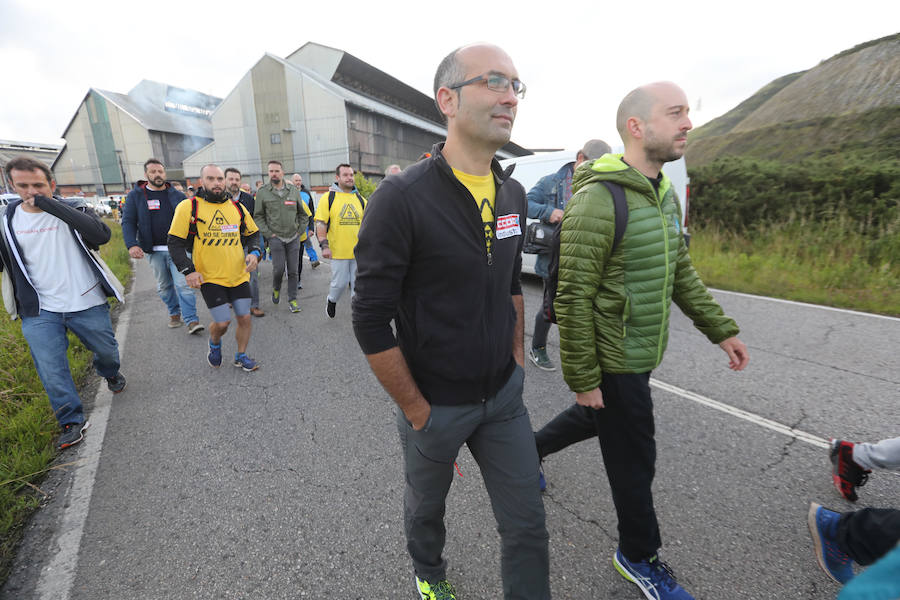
(147, 103)
(379, 107)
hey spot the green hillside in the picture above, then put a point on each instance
(847, 105)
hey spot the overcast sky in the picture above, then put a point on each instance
(578, 59)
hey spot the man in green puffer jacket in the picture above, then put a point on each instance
(613, 311)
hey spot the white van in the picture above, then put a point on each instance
(529, 169)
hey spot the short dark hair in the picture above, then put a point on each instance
(337, 171)
(153, 161)
(26, 163)
(449, 71)
(232, 170)
(275, 162)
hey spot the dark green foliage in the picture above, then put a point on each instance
(745, 195)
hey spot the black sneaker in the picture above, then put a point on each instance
(329, 308)
(116, 384)
(72, 433)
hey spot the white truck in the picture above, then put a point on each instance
(529, 169)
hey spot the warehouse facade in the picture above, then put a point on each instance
(315, 109)
(111, 135)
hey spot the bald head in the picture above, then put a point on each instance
(639, 104)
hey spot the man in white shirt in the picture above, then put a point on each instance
(58, 286)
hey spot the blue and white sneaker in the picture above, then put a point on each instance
(542, 481)
(245, 362)
(214, 358)
(653, 577)
(823, 528)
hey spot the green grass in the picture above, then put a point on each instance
(27, 425)
(824, 263)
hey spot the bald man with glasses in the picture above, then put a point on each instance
(439, 254)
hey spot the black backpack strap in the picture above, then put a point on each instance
(620, 205)
(192, 225)
(330, 201)
(362, 200)
(240, 210)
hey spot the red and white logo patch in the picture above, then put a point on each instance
(508, 226)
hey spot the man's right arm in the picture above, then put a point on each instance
(383, 255)
(129, 224)
(539, 197)
(588, 228)
(259, 215)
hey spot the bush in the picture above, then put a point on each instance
(740, 194)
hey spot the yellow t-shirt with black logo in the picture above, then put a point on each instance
(484, 191)
(217, 252)
(343, 222)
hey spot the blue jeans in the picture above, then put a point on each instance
(46, 337)
(310, 250)
(172, 287)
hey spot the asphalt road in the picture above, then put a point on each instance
(286, 482)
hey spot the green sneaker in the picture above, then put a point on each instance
(442, 590)
(295, 308)
(276, 296)
(540, 359)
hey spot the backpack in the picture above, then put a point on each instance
(620, 206)
(192, 226)
(331, 194)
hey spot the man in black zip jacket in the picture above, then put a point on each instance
(58, 286)
(439, 253)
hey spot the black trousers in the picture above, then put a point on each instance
(625, 429)
(868, 534)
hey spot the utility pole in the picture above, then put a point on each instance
(122, 170)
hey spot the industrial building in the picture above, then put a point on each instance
(9, 149)
(315, 109)
(111, 135)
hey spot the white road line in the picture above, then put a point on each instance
(803, 436)
(57, 578)
(806, 304)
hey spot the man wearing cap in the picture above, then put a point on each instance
(546, 201)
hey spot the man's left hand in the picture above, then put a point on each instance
(738, 357)
(251, 261)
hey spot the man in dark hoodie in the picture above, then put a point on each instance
(146, 219)
(439, 253)
(58, 286)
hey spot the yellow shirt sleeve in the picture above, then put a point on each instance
(182, 220)
(322, 210)
(249, 224)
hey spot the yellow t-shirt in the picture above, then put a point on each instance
(484, 191)
(343, 221)
(217, 252)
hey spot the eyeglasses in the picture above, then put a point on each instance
(495, 83)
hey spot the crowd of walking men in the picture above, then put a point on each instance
(433, 263)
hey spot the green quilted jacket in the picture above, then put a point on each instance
(613, 310)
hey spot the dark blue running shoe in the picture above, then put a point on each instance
(215, 354)
(654, 577)
(823, 528)
(244, 362)
(541, 480)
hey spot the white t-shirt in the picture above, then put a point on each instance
(56, 265)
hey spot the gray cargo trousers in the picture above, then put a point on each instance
(499, 435)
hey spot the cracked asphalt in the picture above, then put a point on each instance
(286, 482)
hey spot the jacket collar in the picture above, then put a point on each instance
(500, 175)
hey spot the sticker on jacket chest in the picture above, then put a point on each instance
(508, 226)
(153, 204)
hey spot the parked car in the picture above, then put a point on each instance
(529, 169)
(7, 198)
